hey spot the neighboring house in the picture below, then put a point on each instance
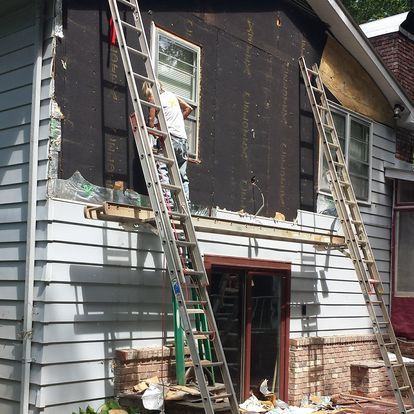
(393, 38)
(73, 290)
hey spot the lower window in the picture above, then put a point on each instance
(355, 138)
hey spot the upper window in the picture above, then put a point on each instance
(355, 138)
(177, 65)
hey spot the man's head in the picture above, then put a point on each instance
(147, 89)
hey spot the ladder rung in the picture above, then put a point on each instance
(344, 183)
(410, 410)
(171, 187)
(313, 72)
(392, 365)
(192, 272)
(149, 104)
(192, 286)
(356, 222)
(137, 52)
(143, 78)
(317, 89)
(183, 243)
(202, 334)
(327, 126)
(351, 202)
(177, 216)
(131, 27)
(207, 363)
(165, 160)
(368, 261)
(204, 363)
(219, 396)
(404, 388)
(389, 344)
(195, 311)
(156, 132)
(333, 145)
(373, 281)
(128, 3)
(195, 302)
(383, 323)
(322, 108)
(339, 164)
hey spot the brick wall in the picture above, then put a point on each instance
(404, 145)
(323, 364)
(349, 364)
(370, 379)
(407, 348)
(397, 52)
(134, 365)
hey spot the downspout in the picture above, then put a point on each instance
(31, 212)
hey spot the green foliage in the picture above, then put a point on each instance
(105, 408)
(366, 10)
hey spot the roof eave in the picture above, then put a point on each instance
(353, 39)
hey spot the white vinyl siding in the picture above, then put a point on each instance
(355, 137)
(177, 65)
(100, 287)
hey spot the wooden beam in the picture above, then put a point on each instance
(138, 215)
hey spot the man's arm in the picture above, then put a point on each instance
(152, 113)
(185, 108)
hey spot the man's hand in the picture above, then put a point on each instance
(185, 108)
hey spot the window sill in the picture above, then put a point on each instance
(194, 160)
(360, 203)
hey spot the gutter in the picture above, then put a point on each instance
(27, 330)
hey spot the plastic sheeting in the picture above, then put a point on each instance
(76, 188)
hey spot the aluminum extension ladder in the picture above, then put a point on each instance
(188, 276)
(359, 248)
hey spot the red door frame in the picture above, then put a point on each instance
(401, 305)
(264, 266)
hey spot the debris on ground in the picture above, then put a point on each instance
(153, 392)
(312, 404)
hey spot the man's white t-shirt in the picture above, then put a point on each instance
(173, 114)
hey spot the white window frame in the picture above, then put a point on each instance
(195, 115)
(348, 115)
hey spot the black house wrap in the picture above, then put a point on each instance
(254, 116)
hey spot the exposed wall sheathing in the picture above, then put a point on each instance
(351, 85)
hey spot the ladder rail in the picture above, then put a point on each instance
(145, 152)
(356, 236)
(180, 275)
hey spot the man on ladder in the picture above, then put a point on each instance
(176, 110)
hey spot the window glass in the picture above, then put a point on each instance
(177, 67)
(354, 137)
(405, 192)
(405, 258)
(339, 121)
